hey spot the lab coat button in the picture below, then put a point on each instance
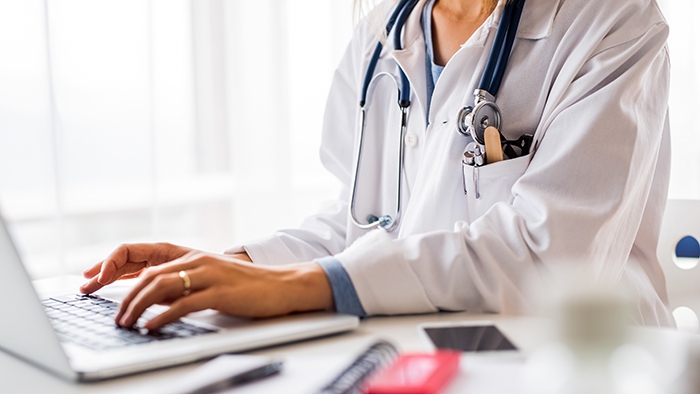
(411, 140)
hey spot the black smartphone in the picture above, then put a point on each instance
(469, 338)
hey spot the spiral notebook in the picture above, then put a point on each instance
(350, 381)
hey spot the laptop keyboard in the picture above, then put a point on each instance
(88, 320)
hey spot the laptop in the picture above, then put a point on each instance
(74, 336)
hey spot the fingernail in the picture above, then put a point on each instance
(124, 321)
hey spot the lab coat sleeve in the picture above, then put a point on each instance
(319, 236)
(345, 297)
(580, 200)
(323, 234)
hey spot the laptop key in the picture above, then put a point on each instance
(67, 298)
(54, 313)
(81, 303)
(51, 303)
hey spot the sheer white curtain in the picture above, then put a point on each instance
(195, 121)
(191, 121)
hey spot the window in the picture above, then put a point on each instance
(132, 120)
(196, 122)
(684, 44)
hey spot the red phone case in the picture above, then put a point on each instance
(415, 374)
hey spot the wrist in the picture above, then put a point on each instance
(307, 287)
(242, 256)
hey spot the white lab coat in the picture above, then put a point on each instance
(589, 78)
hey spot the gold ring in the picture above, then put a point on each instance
(186, 282)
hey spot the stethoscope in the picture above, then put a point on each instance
(471, 120)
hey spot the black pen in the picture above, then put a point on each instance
(271, 368)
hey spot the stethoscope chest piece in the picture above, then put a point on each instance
(464, 120)
(473, 121)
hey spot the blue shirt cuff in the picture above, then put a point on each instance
(344, 294)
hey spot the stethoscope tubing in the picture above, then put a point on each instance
(398, 19)
(500, 62)
(488, 86)
(405, 90)
(378, 50)
(387, 222)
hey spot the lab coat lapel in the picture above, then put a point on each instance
(411, 58)
(538, 19)
(536, 23)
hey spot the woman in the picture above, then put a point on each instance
(587, 78)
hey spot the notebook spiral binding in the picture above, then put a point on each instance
(351, 379)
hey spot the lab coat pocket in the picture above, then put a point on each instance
(492, 183)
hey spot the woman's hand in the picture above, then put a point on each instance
(127, 261)
(226, 284)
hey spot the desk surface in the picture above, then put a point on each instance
(326, 355)
(310, 364)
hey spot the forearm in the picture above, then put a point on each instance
(309, 288)
(227, 285)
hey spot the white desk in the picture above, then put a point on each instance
(326, 355)
(312, 363)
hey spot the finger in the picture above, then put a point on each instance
(162, 288)
(185, 263)
(128, 270)
(150, 275)
(182, 306)
(127, 258)
(90, 286)
(93, 285)
(118, 258)
(92, 271)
